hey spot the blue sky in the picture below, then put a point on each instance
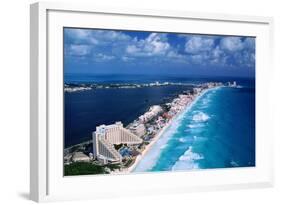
(93, 51)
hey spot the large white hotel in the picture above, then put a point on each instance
(106, 136)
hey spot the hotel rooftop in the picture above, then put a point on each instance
(106, 136)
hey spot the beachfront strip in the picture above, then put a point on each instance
(118, 149)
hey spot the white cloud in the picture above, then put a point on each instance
(100, 57)
(132, 49)
(112, 35)
(197, 59)
(202, 49)
(154, 45)
(78, 50)
(198, 44)
(78, 33)
(176, 56)
(249, 43)
(238, 51)
(227, 51)
(157, 43)
(231, 44)
(127, 59)
(96, 37)
(217, 56)
(107, 45)
(217, 52)
(200, 58)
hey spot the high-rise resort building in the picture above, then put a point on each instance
(106, 136)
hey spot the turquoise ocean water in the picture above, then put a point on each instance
(217, 131)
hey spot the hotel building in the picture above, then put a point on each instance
(138, 129)
(152, 112)
(106, 136)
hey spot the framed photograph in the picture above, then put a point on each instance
(130, 102)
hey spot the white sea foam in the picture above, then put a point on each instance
(190, 156)
(182, 139)
(195, 125)
(193, 131)
(197, 139)
(200, 117)
(163, 146)
(190, 139)
(188, 160)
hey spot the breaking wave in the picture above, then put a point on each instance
(182, 139)
(195, 125)
(188, 160)
(200, 117)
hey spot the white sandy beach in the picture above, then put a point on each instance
(148, 147)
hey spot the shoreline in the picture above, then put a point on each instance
(156, 129)
(148, 147)
(162, 131)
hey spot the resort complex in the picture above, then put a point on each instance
(104, 139)
(124, 147)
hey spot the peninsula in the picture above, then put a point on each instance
(118, 149)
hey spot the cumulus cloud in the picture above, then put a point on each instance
(206, 50)
(199, 44)
(100, 57)
(127, 59)
(78, 33)
(95, 37)
(78, 50)
(99, 45)
(154, 44)
(239, 51)
(220, 51)
(231, 44)
(249, 43)
(202, 49)
(174, 56)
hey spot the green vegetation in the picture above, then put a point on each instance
(83, 168)
(112, 166)
(128, 163)
(86, 168)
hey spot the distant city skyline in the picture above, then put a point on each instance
(96, 51)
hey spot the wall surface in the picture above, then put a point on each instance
(14, 103)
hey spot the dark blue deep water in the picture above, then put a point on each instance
(88, 109)
(217, 131)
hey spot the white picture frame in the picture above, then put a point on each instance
(46, 179)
